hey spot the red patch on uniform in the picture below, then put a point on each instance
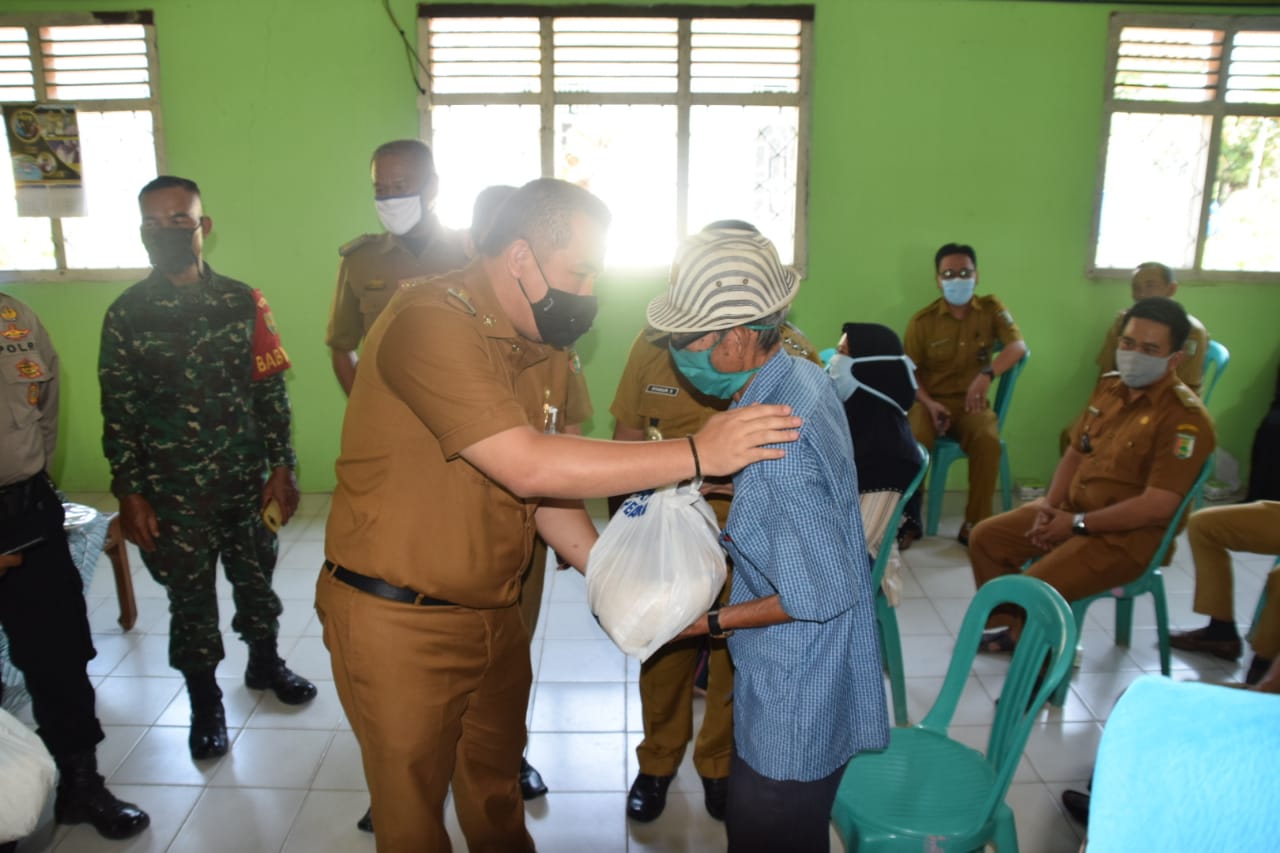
(28, 369)
(13, 333)
(269, 357)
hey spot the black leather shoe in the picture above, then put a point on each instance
(717, 796)
(83, 798)
(647, 797)
(1077, 805)
(208, 738)
(531, 784)
(365, 824)
(289, 687)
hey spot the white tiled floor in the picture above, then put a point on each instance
(293, 782)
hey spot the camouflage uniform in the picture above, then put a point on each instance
(194, 413)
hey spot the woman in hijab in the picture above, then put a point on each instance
(876, 381)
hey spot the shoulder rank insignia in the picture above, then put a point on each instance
(1187, 396)
(29, 369)
(350, 246)
(461, 297)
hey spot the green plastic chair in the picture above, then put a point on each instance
(929, 792)
(947, 450)
(1151, 581)
(1216, 359)
(886, 615)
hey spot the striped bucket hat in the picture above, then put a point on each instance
(721, 278)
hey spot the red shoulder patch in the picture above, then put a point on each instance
(269, 357)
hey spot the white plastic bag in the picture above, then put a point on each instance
(27, 770)
(656, 568)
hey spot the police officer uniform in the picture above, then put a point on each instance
(372, 267)
(42, 607)
(949, 353)
(424, 561)
(1160, 439)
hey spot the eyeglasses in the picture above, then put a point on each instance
(954, 274)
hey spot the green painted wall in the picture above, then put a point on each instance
(933, 120)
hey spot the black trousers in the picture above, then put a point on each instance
(767, 816)
(42, 611)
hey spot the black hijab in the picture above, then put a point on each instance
(888, 377)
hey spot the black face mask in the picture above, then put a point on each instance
(170, 248)
(561, 317)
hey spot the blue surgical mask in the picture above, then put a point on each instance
(841, 372)
(698, 369)
(958, 291)
(1138, 370)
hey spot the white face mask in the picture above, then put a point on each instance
(1138, 370)
(399, 214)
(841, 372)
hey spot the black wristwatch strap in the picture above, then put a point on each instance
(713, 625)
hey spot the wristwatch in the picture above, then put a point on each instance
(1078, 526)
(989, 371)
(713, 625)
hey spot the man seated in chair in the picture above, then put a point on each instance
(1135, 452)
(953, 342)
(1154, 279)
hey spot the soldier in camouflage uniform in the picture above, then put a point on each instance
(195, 412)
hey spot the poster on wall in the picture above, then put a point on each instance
(44, 143)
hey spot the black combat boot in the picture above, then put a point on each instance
(208, 737)
(83, 798)
(267, 669)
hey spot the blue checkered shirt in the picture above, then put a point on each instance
(808, 695)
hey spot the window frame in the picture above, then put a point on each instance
(547, 98)
(1217, 110)
(32, 22)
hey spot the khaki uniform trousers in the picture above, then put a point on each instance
(435, 696)
(666, 708)
(978, 435)
(1252, 527)
(532, 584)
(1078, 568)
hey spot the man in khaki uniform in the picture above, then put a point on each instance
(1135, 452)
(1252, 527)
(1153, 279)
(953, 342)
(444, 475)
(413, 245)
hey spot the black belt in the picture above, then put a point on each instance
(21, 497)
(382, 589)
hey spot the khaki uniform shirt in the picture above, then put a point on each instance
(446, 369)
(1191, 371)
(1161, 439)
(654, 397)
(28, 393)
(948, 352)
(372, 267)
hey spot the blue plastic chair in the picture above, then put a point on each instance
(947, 450)
(886, 615)
(1216, 358)
(929, 792)
(1151, 581)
